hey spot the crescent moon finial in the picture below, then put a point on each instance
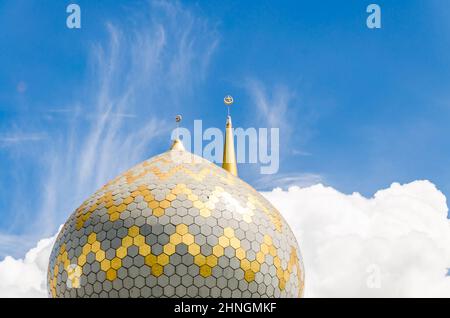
(228, 100)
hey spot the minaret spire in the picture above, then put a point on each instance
(229, 157)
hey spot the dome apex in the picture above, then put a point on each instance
(177, 145)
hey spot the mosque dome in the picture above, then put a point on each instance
(176, 225)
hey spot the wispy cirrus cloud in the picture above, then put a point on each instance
(287, 180)
(274, 104)
(142, 69)
(12, 139)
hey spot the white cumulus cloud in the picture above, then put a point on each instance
(396, 244)
(26, 277)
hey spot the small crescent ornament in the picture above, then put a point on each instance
(178, 118)
(228, 100)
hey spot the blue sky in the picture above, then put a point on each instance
(357, 108)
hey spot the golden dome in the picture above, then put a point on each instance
(176, 225)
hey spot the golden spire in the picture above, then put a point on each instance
(229, 157)
(177, 144)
